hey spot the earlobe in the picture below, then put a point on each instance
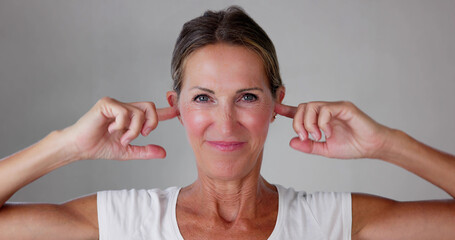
(273, 117)
(280, 92)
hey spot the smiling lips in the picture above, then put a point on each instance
(226, 146)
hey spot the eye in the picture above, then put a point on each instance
(249, 97)
(201, 98)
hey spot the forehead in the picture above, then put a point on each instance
(223, 65)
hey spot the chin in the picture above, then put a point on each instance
(228, 167)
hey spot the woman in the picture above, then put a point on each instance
(227, 90)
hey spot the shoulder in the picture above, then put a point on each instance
(328, 213)
(134, 212)
(135, 195)
(315, 200)
(134, 201)
(83, 209)
(366, 208)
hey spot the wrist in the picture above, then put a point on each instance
(33, 162)
(393, 145)
(63, 149)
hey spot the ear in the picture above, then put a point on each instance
(280, 92)
(172, 99)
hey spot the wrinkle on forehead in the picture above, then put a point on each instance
(214, 65)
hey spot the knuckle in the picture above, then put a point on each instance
(108, 100)
(138, 114)
(153, 124)
(148, 105)
(308, 111)
(347, 103)
(323, 109)
(351, 107)
(301, 106)
(105, 99)
(152, 110)
(151, 105)
(138, 111)
(312, 106)
(124, 112)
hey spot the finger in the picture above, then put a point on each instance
(167, 113)
(308, 146)
(143, 152)
(331, 111)
(135, 127)
(114, 113)
(121, 118)
(285, 110)
(310, 120)
(151, 117)
(298, 123)
(325, 116)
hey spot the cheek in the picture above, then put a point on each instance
(257, 120)
(194, 121)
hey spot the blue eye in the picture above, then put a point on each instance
(249, 97)
(201, 98)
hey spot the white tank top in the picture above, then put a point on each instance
(150, 214)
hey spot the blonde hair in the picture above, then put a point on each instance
(232, 26)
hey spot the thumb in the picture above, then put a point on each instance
(150, 151)
(309, 146)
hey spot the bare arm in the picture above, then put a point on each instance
(103, 133)
(435, 166)
(42, 221)
(352, 134)
(76, 219)
(379, 218)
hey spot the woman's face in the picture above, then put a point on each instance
(226, 107)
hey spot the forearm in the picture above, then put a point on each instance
(435, 166)
(25, 166)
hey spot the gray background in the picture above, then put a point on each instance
(394, 59)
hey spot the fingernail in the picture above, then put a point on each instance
(313, 135)
(147, 131)
(302, 137)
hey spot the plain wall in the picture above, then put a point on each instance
(393, 59)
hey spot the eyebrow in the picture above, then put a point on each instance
(238, 91)
(249, 89)
(203, 89)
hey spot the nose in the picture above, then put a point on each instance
(226, 119)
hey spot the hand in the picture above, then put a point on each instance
(107, 129)
(349, 132)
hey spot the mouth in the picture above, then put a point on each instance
(226, 146)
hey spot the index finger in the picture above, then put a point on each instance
(285, 110)
(166, 113)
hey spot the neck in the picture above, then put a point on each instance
(230, 200)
